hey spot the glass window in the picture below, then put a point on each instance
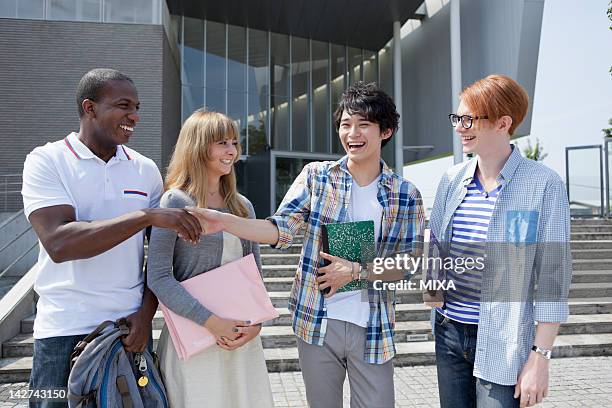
(388, 152)
(287, 169)
(258, 122)
(236, 109)
(338, 67)
(280, 122)
(193, 52)
(320, 96)
(215, 99)
(132, 11)
(300, 69)
(236, 58)
(193, 98)
(385, 66)
(258, 62)
(370, 67)
(33, 9)
(8, 9)
(215, 55)
(355, 58)
(280, 64)
(74, 10)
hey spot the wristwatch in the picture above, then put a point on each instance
(543, 352)
(363, 271)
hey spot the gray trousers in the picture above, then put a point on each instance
(324, 369)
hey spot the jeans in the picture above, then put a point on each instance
(51, 367)
(455, 354)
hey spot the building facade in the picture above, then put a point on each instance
(276, 68)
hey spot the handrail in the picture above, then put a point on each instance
(19, 258)
(11, 218)
(21, 234)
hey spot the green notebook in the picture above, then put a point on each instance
(353, 241)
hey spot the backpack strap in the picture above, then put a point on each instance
(124, 391)
(78, 349)
(85, 399)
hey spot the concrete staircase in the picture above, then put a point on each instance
(588, 331)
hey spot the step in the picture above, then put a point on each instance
(279, 271)
(278, 284)
(577, 246)
(423, 353)
(293, 249)
(592, 264)
(590, 244)
(587, 324)
(15, 369)
(592, 276)
(594, 228)
(589, 236)
(591, 290)
(577, 290)
(591, 254)
(280, 259)
(284, 283)
(590, 221)
(27, 324)
(283, 337)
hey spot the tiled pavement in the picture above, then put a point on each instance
(575, 382)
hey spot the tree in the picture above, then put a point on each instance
(535, 153)
(608, 132)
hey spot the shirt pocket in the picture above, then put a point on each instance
(135, 199)
(521, 226)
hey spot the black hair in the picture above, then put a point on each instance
(92, 85)
(371, 102)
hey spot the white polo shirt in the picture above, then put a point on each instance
(76, 296)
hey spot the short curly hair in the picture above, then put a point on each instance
(371, 102)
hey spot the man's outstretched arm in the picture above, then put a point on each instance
(66, 239)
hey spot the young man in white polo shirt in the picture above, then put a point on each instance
(89, 199)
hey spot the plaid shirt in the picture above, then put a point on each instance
(527, 244)
(321, 195)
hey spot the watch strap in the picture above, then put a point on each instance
(543, 352)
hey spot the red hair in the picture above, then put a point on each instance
(496, 96)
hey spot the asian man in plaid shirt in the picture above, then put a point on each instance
(350, 331)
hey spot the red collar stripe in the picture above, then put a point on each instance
(126, 154)
(71, 149)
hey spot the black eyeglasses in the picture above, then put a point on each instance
(466, 120)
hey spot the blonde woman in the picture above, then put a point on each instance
(201, 173)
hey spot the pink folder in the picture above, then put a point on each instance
(232, 291)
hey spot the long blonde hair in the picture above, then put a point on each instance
(187, 169)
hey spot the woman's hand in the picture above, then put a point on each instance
(225, 328)
(247, 333)
(211, 221)
(335, 275)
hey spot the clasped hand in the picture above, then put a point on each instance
(335, 275)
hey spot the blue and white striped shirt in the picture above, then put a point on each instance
(528, 268)
(469, 234)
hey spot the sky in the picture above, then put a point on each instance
(572, 100)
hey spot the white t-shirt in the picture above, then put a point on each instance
(76, 296)
(354, 306)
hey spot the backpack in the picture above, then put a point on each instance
(103, 374)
